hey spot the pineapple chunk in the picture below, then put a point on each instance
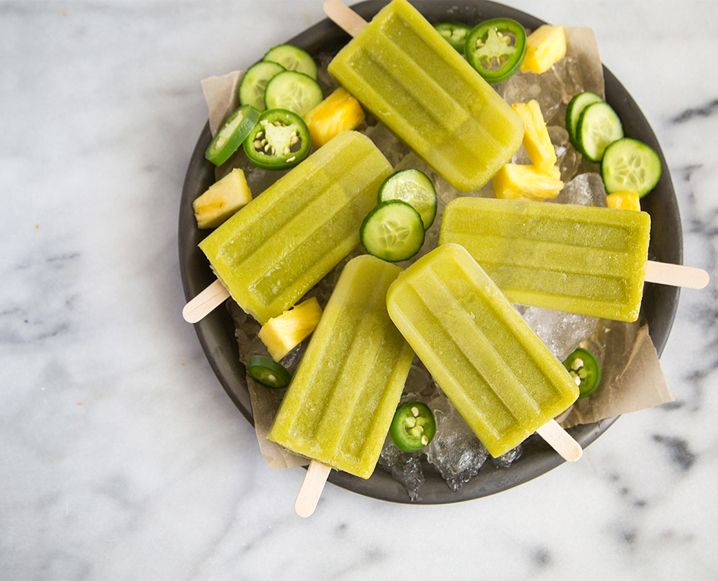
(526, 182)
(338, 112)
(537, 142)
(283, 333)
(222, 200)
(545, 46)
(624, 201)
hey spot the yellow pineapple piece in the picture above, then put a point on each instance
(526, 182)
(338, 112)
(624, 201)
(222, 200)
(283, 333)
(537, 142)
(545, 46)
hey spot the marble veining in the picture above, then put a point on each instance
(122, 457)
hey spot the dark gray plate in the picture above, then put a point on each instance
(216, 332)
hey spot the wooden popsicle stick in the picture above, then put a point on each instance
(558, 438)
(311, 489)
(205, 302)
(676, 275)
(344, 17)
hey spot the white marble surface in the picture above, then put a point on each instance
(121, 455)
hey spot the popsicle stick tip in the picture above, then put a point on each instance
(344, 17)
(559, 439)
(311, 489)
(205, 302)
(676, 275)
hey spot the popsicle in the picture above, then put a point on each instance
(415, 83)
(578, 259)
(341, 401)
(495, 370)
(276, 248)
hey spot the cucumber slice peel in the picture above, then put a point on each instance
(413, 187)
(393, 231)
(629, 164)
(292, 58)
(574, 109)
(293, 91)
(598, 126)
(254, 83)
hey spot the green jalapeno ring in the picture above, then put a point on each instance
(413, 426)
(496, 48)
(584, 370)
(280, 140)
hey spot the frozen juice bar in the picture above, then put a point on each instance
(339, 406)
(416, 83)
(276, 248)
(577, 259)
(495, 370)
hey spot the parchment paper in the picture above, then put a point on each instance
(632, 377)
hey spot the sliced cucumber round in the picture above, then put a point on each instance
(393, 231)
(630, 165)
(293, 91)
(598, 127)
(254, 82)
(413, 187)
(574, 110)
(292, 58)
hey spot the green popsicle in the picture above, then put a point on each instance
(577, 259)
(270, 253)
(414, 82)
(341, 401)
(495, 370)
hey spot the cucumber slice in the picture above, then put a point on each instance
(293, 91)
(630, 165)
(574, 110)
(254, 82)
(598, 126)
(393, 231)
(292, 59)
(413, 187)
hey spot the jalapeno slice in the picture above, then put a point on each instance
(455, 33)
(496, 48)
(231, 134)
(413, 426)
(268, 372)
(280, 140)
(585, 371)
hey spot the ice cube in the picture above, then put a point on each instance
(586, 190)
(509, 458)
(455, 450)
(552, 90)
(568, 159)
(404, 467)
(561, 332)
